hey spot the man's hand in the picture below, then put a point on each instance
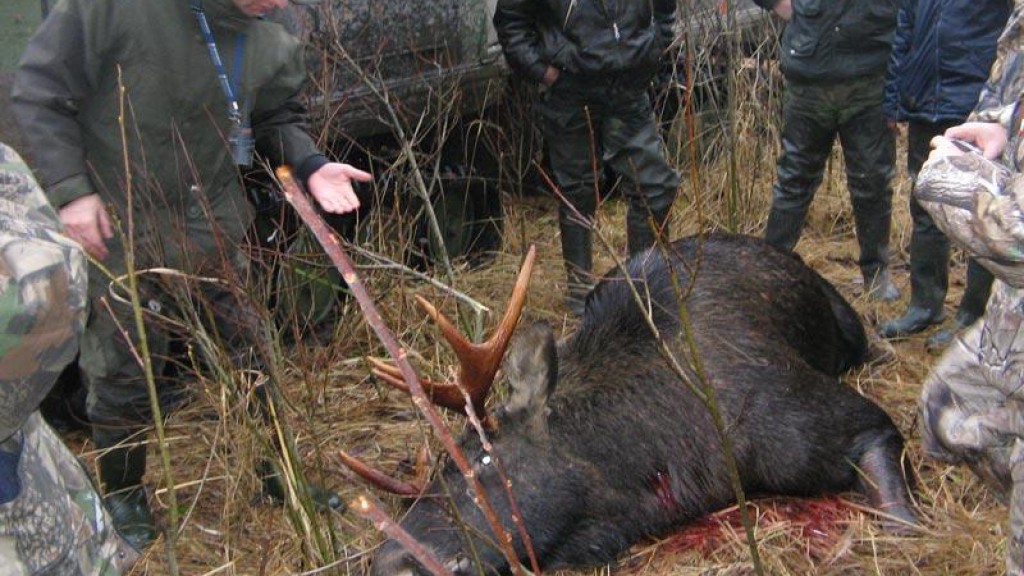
(87, 222)
(783, 9)
(990, 137)
(551, 75)
(331, 185)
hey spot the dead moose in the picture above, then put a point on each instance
(604, 444)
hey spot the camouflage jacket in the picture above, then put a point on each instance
(42, 294)
(51, 518)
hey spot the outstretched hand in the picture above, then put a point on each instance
(87, 222)
(331, 185)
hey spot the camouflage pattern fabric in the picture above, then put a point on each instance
(57, 524)
(42, 294)
(972, 402)
(51, 519)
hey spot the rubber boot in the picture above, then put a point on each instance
(972, 306)
(269, 474)
(644, 228)
(121, 468)
(929, 280)
(579, 264)
(274, 487)
(784, 228)
(873, 237)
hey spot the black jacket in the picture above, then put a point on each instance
(585, 37)
(941, 56)
(835, 40)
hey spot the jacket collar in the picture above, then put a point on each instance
(224, 14)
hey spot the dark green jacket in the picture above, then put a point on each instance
(835, 40)
(175, 114)
(585, 37)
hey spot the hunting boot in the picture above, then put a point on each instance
(576, 253)
(873, 238)
(784, 228)
(121, 468)
(972, 306)
(268, 472)
(929, 280)
(645, 227)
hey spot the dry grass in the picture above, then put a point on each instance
(335, 404)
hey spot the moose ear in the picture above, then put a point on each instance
(532, 369)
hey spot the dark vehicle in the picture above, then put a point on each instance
(603, 444)
(432, 73)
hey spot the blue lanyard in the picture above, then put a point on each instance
(234, 112)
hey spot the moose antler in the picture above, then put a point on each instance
(478, 363)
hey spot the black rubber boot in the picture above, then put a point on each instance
(274, 488)
(270, 476)
(644, 228)
(929, 280)
(121, 468)
(873, 238)
(579, 264)
(784, 228)
(972, 307)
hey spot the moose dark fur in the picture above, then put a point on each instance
(604, 445)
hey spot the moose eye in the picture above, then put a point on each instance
(485, 460)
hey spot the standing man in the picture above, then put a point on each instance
(594, 60)
(834, 56)
(940, 60)
(140, 116)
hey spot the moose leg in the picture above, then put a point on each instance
(885, 477)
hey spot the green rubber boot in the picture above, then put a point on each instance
(929, 280)
(972, 307)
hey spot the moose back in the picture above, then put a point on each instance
(604, 443)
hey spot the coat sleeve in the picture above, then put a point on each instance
(665, 17)
(998, 98)
(42, 294)
(516, 23)
(895, 70)
(279, 117)
(58, 70)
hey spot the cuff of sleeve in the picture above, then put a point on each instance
(69, 189)
(537, 71)
(309, 166)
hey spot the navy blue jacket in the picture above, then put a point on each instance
(941, 56)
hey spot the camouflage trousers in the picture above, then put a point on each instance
(972, 407)
(56, 524)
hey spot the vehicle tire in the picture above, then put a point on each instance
(470, 217)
